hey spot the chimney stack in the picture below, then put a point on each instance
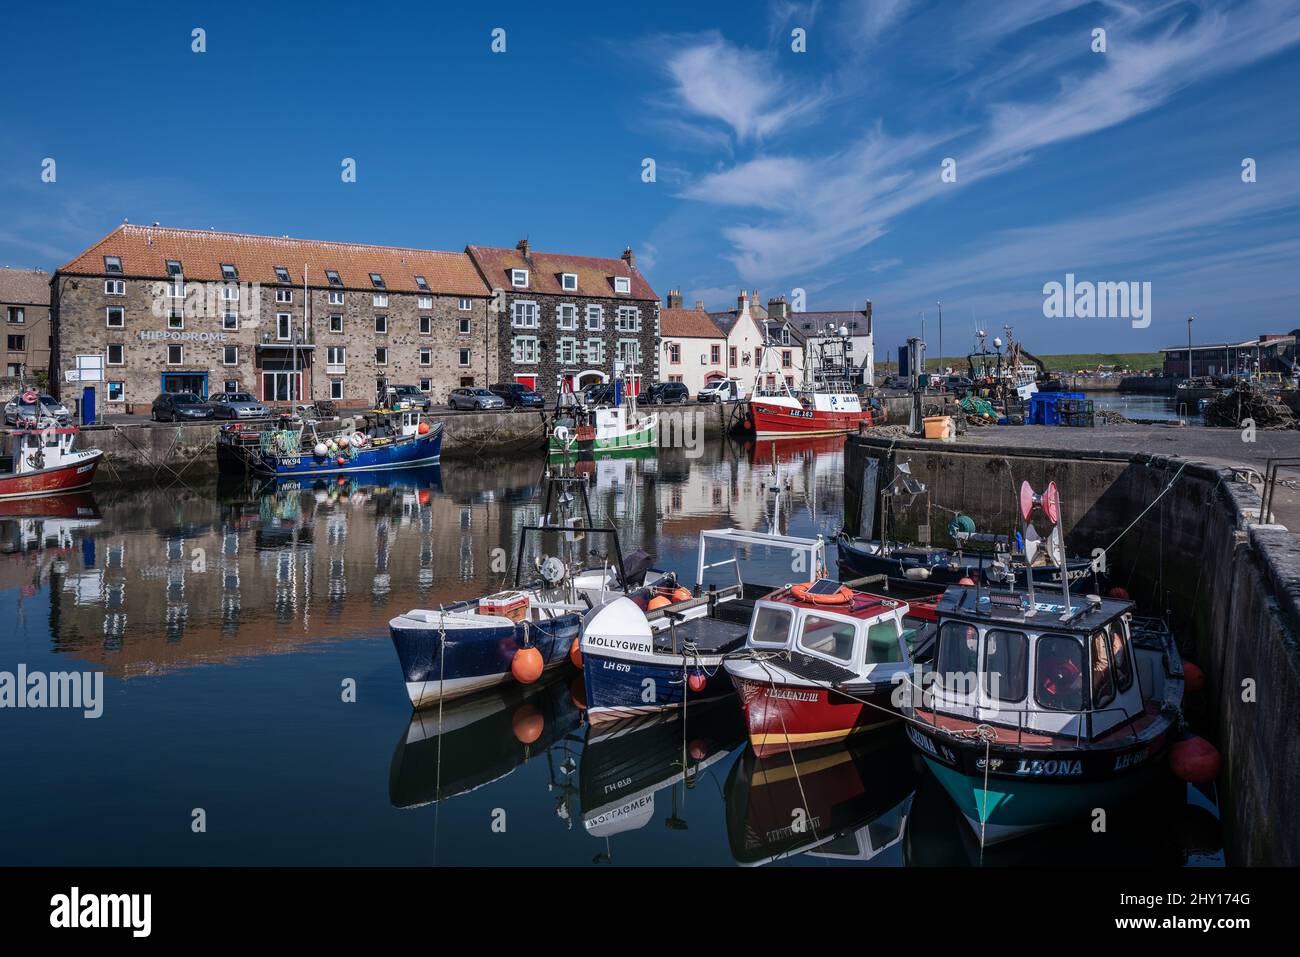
(674, 299)
(742, 303)
(868, 312)
(699, 304)
(777, 308)
(629, 257)
(522, 246)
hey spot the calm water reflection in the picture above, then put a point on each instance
(229, 620)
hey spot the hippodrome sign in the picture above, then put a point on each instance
(178, 336)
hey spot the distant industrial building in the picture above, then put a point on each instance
(1270, 352)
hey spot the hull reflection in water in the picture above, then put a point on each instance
(482, 739)
(626, 762)
(848, 803)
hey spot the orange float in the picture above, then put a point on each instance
(1193, 678)
(682, 594)
(423, 428)
(1195, 760)
(527, 724)
(526, 665)
(841, 597)
(659, 601)
(575, 653)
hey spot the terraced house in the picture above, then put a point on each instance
(567, 321)
(25, 309)
(286, 319)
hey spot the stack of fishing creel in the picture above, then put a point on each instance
(1232, 409)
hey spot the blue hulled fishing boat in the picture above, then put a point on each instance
(299, 447)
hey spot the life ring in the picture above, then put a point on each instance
(358, 439)
(841, 597)
(29, 397)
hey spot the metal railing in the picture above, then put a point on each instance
(1271, 468)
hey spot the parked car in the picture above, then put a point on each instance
(237, 405)
(602, 393)
(665, 393)
(179, 407)
(722, 390)
(408, 397)
(475, 399)
(516, 395)
(16, 408)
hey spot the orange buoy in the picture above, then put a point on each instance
(1120, 593)
(424, 496)
(682, 594)
(699, 750)
(526, 665)
(1193, 678)
(659, 601)
(966, 581)
(341, 460)
(575, 653)
(527, 724)
(696, 681)
(1195, 760)
(423, 428)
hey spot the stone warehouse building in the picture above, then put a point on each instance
(25, 308)
(286, 319)
(566, 321)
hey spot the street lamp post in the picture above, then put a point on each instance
(940, 305)
(1189, 346)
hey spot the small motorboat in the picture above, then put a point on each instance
(42, 461)
(656, 648)
(824, 662)
(1036, 712)
(297, 446)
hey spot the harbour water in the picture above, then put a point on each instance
(1156, 408)
(232, 624)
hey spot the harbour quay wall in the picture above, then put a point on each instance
(140, 451)
(1229, 586)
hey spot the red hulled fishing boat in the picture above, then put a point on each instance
(39, 462)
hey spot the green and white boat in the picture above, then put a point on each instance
(604, 431)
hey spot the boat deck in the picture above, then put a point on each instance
(710, 636)
(1014, 737)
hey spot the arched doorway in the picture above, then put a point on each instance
(591, 377)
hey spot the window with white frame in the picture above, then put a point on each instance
(115, 287)
(175, 355)
(380, 299)
(116, 390)
(629, 319)
(381, 355)
(523, 315)
(675, 353)
(116, 354)
(464, 304)
(523, 349)
(622, 284)
(426, 302)
(595, 351)
(381, 324)
(426, 384)
(284, 295)
(336, 322)
(463, 326)
(569, 281)
(567, 316)
(175, 319)
(336, 388)
(229, 272)
(115, 317)
(595, 318)
(113, 264)
(230, 293)
(283, 325)
(464, 358)
(566, 350)
(336, 356)
(426, 325)
(422, 283)
(785, 335)
(17, 315)
(426, 356)
(176, 290)
(231, 385)
(629, 351)
(230, 355)
(336, 297)
(230, 321)
(519, 278)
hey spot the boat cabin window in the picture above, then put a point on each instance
(1119, 655)
(882, 643)
(828, 636)
(1058, 674)
(771, 626)
(958, 658)
(1006, 665)
(1103, 684)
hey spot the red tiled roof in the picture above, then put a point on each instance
(688, 324)
(144, 251)
(595, 276)
(26, 287)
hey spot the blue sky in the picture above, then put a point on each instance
(775, 170)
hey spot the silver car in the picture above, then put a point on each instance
(475, 399)
(16, 408)
(237, 405)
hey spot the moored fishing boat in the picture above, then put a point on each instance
(604, 431)
(822, 663)
(1037, 712)
(381, 440)
(43, 461)
(828, 403)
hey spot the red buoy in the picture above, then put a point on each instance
(966, 581)
(1120, 593)
(1193, 678)
(526, 665)
(696, 681)
(575, 653)
(1195, 760)
(527, 724)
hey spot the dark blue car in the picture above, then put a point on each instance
(517, 396)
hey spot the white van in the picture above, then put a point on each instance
(722, 390)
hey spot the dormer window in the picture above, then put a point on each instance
(622, 284)
(333, 276)
(519, 278)
(113, 264)
(569, 280)
(282, 274)
(376, 280)
(229, 272)
(174, 267)
(422, 283)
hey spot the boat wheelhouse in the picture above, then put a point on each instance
(821, 663)
(43, 461)
(1036, 712)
